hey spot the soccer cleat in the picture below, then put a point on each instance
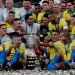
(72, 65)
(1, 67)
(8, 66)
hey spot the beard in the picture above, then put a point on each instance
(53, 21)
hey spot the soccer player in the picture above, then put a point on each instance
(66, 51)
(15, 52)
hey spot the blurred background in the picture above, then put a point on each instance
(18, 3)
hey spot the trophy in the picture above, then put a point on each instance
(31, 45)
(31, 42)
(72, 65)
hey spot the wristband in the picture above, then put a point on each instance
(41, 42)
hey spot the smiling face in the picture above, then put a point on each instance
(3, 30)
(45, 6)
(70, 6)
(17, 40)
(45, 20)
(26, 4)
(17, 24)
(51, 4)
(55, 36)
(63, 6)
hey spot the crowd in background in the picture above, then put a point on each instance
(54, 25)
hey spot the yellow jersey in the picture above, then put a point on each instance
(21, 48)
(71, 27)
(67, 14)
(35, 17)
(57, 26)
(65, 49)
(73, 31)
(51, 51)
(40, 16)
(1, 48)
(8, 25)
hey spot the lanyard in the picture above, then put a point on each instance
(57, 27)
(67, 48)
(10, 24)
(36, 18)
(27, 28)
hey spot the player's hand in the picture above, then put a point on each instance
(14, 46)
(38, 40)
(47, 61)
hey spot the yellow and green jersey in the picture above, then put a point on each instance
(1, 48)
(65, 49)
(51, 51)
(20, 48)
(57, 26)
(8, 25)
(67, 14)
(40, 16)
(73, 31)
(71, 27)
(35, 17)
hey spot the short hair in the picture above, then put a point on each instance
(11, 0)
(70, 1)
(66, 33)
(12, 12)
(45, 15)
(16, 19)
(2, 25)
(58, 5)
(26, 0)
(63, 2)
(27, 16)
(37, 5)
(45, 2)
(56, 31)
(53, 14)
(51, 0)
(14, 35)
